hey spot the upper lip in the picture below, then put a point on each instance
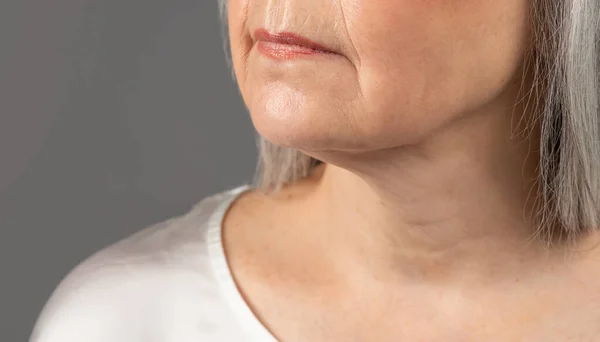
(289, 38)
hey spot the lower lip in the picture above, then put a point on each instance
(287, 51)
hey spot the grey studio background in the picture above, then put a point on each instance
(113, 115)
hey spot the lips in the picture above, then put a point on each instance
(286, 45)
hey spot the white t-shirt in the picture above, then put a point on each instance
(169, 282)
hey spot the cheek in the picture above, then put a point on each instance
(237, 10)
(238, 40)
(423, 61)
(396, 60)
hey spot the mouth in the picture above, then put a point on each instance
(287, 45)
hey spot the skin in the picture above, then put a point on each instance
(418, 226)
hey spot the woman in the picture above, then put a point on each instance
(429, 172)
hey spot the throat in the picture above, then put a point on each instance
(461, 235)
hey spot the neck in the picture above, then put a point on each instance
(458, 204)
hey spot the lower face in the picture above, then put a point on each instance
(400, 69)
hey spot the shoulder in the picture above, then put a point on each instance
(139, 287)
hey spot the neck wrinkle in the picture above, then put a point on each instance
(459, 204)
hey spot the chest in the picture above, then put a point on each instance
(414, 317)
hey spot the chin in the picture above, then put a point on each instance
(295, 118)
(314, 127)
(310, 128)
(308, 116)
(291, 131)
(314, 139)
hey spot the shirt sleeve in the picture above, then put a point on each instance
(97, 304)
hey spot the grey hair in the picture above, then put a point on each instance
(565, 57)
(566, 71)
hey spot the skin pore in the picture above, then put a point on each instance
(418, 226)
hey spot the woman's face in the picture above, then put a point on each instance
(403, 68)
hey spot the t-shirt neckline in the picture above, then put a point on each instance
(227, 286)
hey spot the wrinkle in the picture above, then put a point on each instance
(356, 65)
(352, 124)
